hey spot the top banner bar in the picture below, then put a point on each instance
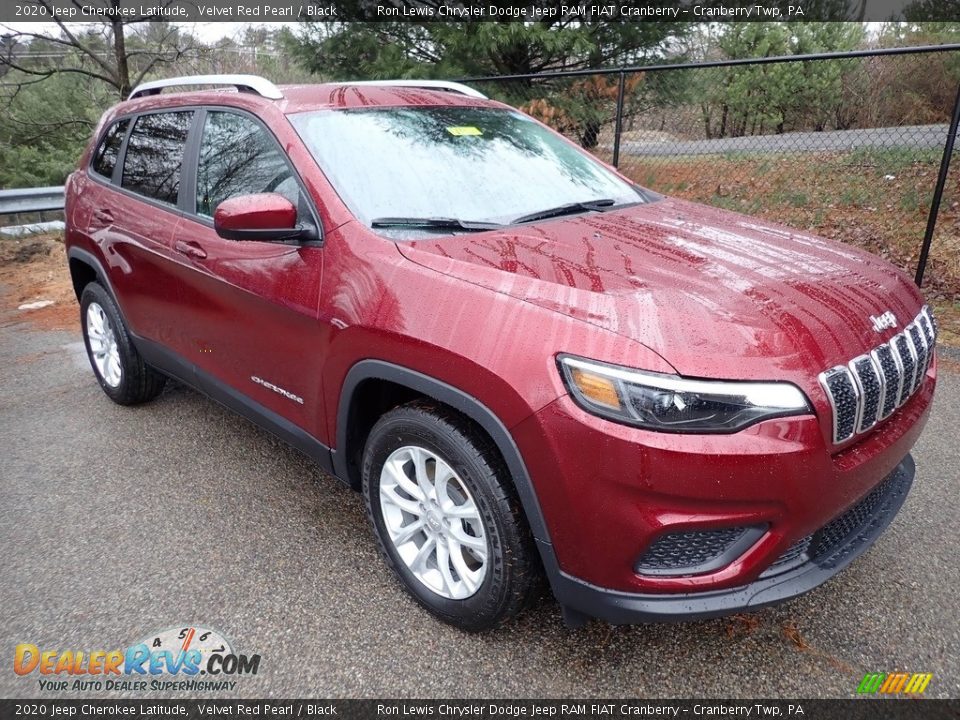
(542, 11)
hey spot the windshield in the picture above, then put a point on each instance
(471, 165)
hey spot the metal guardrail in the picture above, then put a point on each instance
(29, 200)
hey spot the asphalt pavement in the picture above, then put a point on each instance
(914, 137)
(116, 523)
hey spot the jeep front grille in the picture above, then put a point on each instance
(871, 386)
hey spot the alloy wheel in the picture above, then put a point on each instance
(103, 345)
(433, 522)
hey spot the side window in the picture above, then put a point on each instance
(105, 158)
(239, 157)
(151, 166)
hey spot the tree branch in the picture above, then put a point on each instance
(44, 74)
(74, 41)
(44, 129)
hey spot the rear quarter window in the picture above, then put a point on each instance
(154, 157)
(105, 157)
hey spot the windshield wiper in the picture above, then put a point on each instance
(433, 223)
(598, 205)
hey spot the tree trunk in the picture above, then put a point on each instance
(590, 135)
(705, 114)
(120, 55)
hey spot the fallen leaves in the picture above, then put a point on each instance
(792, 633)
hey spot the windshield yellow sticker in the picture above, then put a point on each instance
(464, 130)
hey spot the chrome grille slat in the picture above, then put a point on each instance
(927, 327)
(867, 379)
(842, 392)
(926, 324)
(920, 345)
(872, 386)
(892, 378)
(908, 361)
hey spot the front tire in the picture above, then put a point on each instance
(446, 518)
(121, 372)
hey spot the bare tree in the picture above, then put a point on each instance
(118, 51)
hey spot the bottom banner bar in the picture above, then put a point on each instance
(853, 709)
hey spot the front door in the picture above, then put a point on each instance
(248, 310)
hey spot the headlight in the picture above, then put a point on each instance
(670, 403)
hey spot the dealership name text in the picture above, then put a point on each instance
(479, 12)
(591, 709)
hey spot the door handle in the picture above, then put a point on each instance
(190, 249)
(104, 216)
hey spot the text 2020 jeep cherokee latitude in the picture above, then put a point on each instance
(527, 364)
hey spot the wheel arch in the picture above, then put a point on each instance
(85, 267)
(82, 274)
(421, 385)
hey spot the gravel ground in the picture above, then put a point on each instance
(116, 522)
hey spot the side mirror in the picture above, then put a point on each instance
(267, 217)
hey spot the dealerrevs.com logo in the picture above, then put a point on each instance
(188, 658)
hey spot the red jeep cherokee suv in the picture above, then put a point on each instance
(529, 365)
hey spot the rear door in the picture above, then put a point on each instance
(133, 217)
(85, 186)
(247, 316)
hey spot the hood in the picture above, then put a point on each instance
(715, 293)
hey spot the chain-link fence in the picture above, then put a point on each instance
(845, 145)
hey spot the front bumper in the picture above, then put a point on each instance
(865, 521)
(610, 493)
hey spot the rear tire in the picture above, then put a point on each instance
(446, 517)
(121, 372)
